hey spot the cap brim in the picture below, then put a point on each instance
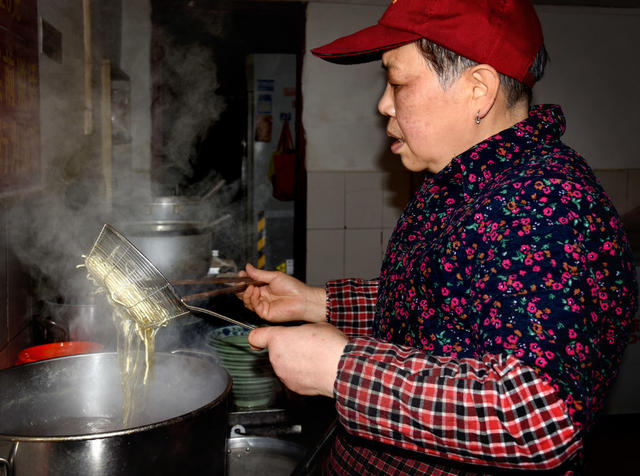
(365, 45)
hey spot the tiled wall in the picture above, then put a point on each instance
(350, 216)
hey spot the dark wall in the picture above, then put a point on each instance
(226, 32)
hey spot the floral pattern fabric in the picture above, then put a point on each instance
(515, 249)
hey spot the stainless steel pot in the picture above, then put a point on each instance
(179, 207)
(248, 455)
(64, 416)
(179, 249)
(173, 208)
(90, 321)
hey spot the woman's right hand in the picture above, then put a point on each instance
(283, 298)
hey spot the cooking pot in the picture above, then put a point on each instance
(64, 416)
(172, 208)
(179, 249)
(247, 455)
(178, 207)
(90, 321)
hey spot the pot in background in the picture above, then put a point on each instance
(64, 416)
(262, 455)
(88, 321)
(178, 207)
(172, 209)
(179, 249)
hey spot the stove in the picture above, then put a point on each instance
(281, 441)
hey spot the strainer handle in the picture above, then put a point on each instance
(220, 316)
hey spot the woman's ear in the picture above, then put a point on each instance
(485, 85)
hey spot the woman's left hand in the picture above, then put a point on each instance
(304, 357)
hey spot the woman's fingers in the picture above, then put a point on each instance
(260, 274)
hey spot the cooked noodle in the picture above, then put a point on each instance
(138, 318)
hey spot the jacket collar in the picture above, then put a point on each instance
(477, 167)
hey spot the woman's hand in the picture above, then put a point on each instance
(283, 298)
(304, 357)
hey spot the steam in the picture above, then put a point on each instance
(51, 230)
(189, 98)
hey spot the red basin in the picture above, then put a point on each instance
(57, 349)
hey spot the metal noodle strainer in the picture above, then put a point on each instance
(135, 284)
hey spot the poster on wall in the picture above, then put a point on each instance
(20, 167)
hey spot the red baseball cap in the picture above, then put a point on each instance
(505, 34)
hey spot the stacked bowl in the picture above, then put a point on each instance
(255, 385)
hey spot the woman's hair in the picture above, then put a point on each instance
(449, 66)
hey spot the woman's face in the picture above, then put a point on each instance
(430, 125)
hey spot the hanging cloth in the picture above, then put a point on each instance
(282, 167)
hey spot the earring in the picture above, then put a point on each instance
(478, 117)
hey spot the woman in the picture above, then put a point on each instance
(495, 329)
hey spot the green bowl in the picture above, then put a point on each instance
(228, 331)
(251, 403)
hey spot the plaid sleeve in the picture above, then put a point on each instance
(351, 305)
(494, 411)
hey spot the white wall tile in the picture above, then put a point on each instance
(354, 182)
(325, 256)
(362, 253)
(363, 209)
(342, 124)
(363, 200)
(585, 39)
(325, 200)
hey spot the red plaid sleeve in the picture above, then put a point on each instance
(351, 304)
(494, 411)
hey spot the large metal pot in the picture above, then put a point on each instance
(173, 208)
(64, 416)
(179, 249)
(179, 207)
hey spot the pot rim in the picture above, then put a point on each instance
(124, 432)
(174, 199)
(166, 227)
(36, 353)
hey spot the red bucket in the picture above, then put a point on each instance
(57, 349)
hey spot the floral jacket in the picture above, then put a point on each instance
(498, 321)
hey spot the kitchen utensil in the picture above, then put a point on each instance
(57, 349)
(217, 186)
(262, 455)
(135, 284)
(64, 417)
(234, 284)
